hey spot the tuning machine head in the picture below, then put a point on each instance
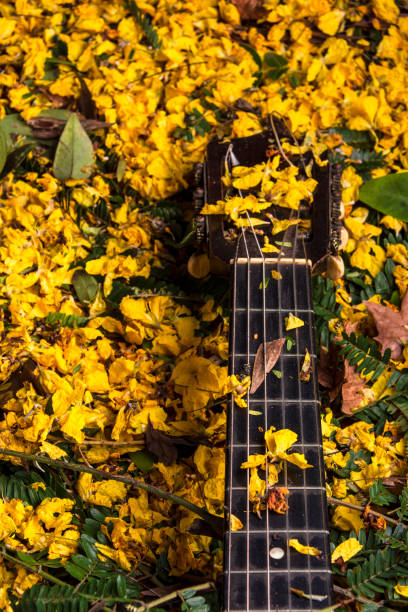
(329, 236)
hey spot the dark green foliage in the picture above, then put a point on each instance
(276, 65)
(195, 121)
(325, 308)
(378, 572)
(56, 319)
(363, 354)
(144, 22)
(380, 496)
(56, 598)
(17, 485)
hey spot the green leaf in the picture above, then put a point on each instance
(388, 194)
(143, 460)
(85, 285)
(278, 65)
(120, 170)
(74, 157)
(3, 149)
(121, 585)
(12, 126)
(75, 571)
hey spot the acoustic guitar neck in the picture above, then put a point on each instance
(262, 570)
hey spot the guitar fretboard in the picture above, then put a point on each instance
(255, 580)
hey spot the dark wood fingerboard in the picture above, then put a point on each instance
(254, 581)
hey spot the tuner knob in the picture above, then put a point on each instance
(343, 237)
(335, 267)
(199, 227)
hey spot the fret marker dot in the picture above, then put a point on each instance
(276, 552)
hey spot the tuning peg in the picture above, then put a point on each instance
(334, 267)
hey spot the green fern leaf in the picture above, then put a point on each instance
(144, 22)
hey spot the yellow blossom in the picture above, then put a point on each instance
(346, 550)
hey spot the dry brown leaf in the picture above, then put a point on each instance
(273, 350)
(250, 9)
(351, 390)
(329, 374)
(277, 499)
(392, 326)
(50, 127)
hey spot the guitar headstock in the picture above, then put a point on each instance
(312, 227)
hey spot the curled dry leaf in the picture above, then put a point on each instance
(351, 390)
(329, 374)
(160, 444)
(273, 350)
(392, 326)
(250, 9)
(277, 499)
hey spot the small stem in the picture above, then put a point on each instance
(278, 142)
(33, 570)
(350, 595)
(215, 521)
(207, 586)
(339, 502)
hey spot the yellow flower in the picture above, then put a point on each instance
(346, 550)
(304, 550)
(236, 524)
(347, 518)
(329, 23)
(401, 589)
(292, 322)
(52, 451)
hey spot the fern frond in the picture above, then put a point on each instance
(362, 352)
(65, 320)
(56, 598)
(377, 573)
(145, 23)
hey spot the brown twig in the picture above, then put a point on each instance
(207, 586)
(215, 521)
(339, 502)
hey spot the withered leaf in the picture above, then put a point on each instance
(160, 444)
(215, 529)
(51, 127)
(277, 499)
(310, 596)
(86, 104)
(273, 350)
(351, 390)
(329, 374)
(24, 373)
(392, 326)
(250, 9)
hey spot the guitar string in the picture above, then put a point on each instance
(232, 413)
(323, 501)
(265, 396)
(298, 364)
(242, 236)
(231, 427)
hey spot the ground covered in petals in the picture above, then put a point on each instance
(113, 357)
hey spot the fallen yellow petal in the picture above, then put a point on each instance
(236, 524)
(292, 322)
(401, 589)
(346, 550)
(305, 550)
